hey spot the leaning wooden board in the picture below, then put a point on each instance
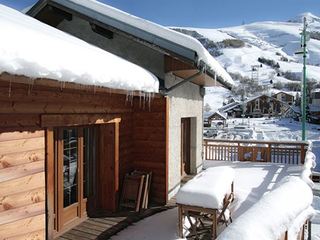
(22, 185)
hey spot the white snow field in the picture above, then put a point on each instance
(272, 40)
(36, 50)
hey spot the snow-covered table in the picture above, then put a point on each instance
(204, 195)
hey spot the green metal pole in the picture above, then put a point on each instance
(304, 84)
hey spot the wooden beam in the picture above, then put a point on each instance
(63, 85)
(67, 120)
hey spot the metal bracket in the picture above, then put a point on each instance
(166, 91)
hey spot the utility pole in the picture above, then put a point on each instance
(303, 51)
(304, 88)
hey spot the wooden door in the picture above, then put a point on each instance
(185, 146)
(74, 152)
(107, 188)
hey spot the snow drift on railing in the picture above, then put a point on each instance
(274, 214)
(208, 188)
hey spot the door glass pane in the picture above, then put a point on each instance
(70, 166)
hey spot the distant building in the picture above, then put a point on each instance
(314, 107)
(264, 105)
(284, 97)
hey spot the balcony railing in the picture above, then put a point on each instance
(285, 152)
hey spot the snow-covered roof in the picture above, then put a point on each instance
(222, 115)
(146, 30)
(276, 92)
(229, 106)
(36, 50)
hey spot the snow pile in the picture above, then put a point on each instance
(310, 160)
(208, 188)
(158, 30)
(274, 213)
(309, 164)
(36, 50)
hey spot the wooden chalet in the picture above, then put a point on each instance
(313, 110)
(264, 106)
(284, 97)
(182, 65)
(65, 147)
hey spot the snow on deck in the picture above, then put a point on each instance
(36, 50)
(253, 180)
(157, 30)
(208, 188)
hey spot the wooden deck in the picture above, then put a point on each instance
(107, 226)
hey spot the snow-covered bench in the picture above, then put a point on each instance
(278, 214)
(210, 192)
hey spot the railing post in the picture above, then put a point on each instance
(302, 153)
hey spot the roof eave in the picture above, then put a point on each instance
(139, 34)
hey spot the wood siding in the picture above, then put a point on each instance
(142, 129)
(22, 185)
(149, 145)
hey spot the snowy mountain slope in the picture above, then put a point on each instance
(273, 43)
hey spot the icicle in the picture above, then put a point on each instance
(30, 86)
(149, 102)
(140, 94)
(62, 85)
(10, 88)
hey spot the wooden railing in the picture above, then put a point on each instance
(253, 150)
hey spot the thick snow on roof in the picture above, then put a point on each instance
(159, 31)
(33, 49)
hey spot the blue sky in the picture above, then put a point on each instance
(205, 13)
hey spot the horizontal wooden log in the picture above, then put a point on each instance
(13, 215)
(59, 120)
(44, 83)
(14, 121)
(21, 145)
(19, 135)
(22, 199)
(62, 108)
(20, 171)
(15, 159)
(23, 226)
(22, 184)
(37, 235)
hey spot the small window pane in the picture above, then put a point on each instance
(70, 166)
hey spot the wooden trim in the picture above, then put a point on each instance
(59, 181)
(116, 157)
(167, 148)
(50, 182)
(68, 120)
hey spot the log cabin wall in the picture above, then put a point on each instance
(31, 107)
(22, 185)
(149, 145)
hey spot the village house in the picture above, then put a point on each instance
(76, 118)
(182, 65)
(314, 106)
(284, 97)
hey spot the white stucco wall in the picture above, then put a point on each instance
(184, 102)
